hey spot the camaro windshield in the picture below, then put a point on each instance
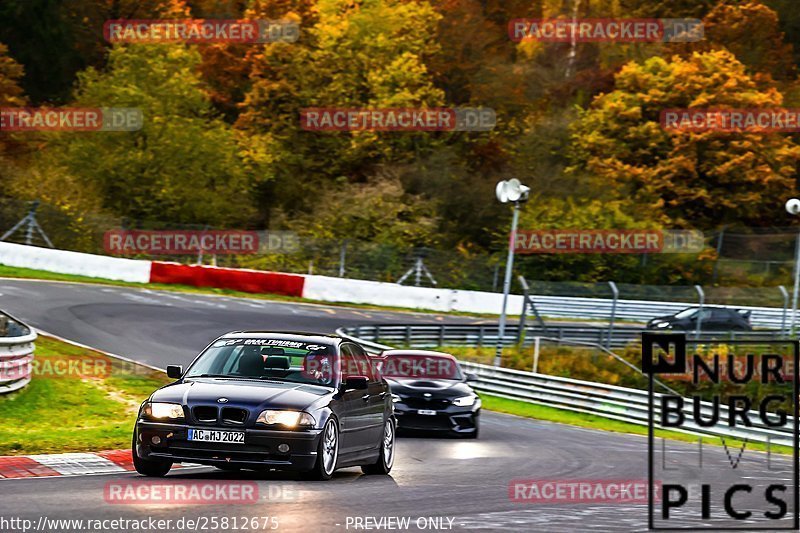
(687, 313)
(420, 367)
(268, 359)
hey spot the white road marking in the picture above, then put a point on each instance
(71, 464)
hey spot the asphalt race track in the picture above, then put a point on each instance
(462, 480)
(162, 327)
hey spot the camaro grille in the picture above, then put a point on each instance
(422, 403)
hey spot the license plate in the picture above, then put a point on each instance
(429, 412)
(212, 435)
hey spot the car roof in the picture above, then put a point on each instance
(710, 307)
(421, 353)
(316, 338)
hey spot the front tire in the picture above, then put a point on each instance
(327, 453)
(147, 467)
(386, 457)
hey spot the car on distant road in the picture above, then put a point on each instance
(262, 400)
(711, 318)
(430, 392)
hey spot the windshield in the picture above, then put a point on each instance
(420, 367)
(687, 313)
(268, 359)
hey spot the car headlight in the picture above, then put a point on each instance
(163, 410)
(465, 401)
(396, 398)
(662, 324)
(289, 419)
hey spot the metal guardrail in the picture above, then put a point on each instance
(16, 353)
(640, 310)
(430, 335)
(609, 401)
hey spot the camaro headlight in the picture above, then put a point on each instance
(163, 410)
(396, 398)
(465, 401)
(287, 419)
(662, 324)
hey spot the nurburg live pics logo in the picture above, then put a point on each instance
(722, 403)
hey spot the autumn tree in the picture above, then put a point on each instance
(11, 95)
(183, 166)
(55, 40)
(680, 178)
(750, 30)
(369, 54)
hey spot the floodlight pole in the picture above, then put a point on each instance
(796, 284)
(507, 284)
(793, 208)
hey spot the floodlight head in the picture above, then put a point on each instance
(500, 192)
(793, 206)
(511, 191)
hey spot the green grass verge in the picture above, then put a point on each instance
(572, 418)
(70, 411)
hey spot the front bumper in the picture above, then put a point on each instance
(260, 448)
(461, 420)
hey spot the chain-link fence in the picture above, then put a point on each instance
(754, 261)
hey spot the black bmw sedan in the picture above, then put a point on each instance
(259, 400)
(430, 392)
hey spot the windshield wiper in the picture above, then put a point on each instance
(212, 376)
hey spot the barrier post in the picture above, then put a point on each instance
(536, 341)
(615, 293)
(702, 296)
(785, 295)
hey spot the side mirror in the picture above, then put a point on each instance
(471, 376)
(356, 382)
(174, 371)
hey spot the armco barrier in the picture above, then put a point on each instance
(16, 356)
(433, 335)
(254, 281)
(64, 262)
(608, 401)
(331, 289)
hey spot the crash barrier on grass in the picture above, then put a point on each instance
(331, 289)
(254, 281)
(16, 353)
(76, 263)
(431, 335)
(609, 401)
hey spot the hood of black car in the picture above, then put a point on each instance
(439, 388)
(242, 393)
(668, 318)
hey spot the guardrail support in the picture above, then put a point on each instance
(615, 293)
(536, 341)
(702, 296)
(785, 295)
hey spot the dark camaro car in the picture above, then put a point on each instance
(259, 400)
(711, 319)
(430, 392)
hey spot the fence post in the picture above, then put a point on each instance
(702, 296)
(342, 258)
(615, 293)
(480, 336)
(536, 353)
(785, 295)
(720, 238)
